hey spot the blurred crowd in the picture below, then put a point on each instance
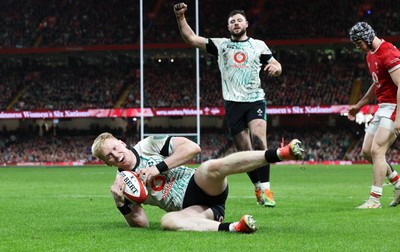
(68, 23)
(82, 80)
(45, 23)
(34, 146)
(74, 145)
(107, 82)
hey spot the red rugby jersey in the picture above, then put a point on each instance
(381, 62)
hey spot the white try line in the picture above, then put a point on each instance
(82, 196)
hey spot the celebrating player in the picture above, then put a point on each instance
(383, 60)
(240, 60)
(194, 198)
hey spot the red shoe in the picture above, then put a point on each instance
(291, 151)
(246, 224)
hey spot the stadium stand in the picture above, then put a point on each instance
(99, 83)
(43, 23)
(316, 74)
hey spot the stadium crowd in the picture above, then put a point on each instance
(76, 84)
(312, 76)
(100, 82)
(43, 23)
(63, 145)
(51, 145)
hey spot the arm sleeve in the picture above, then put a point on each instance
(266, 54)
(165, 149)
(264, 58)
(392, 61)
(156, 145)
(211, 47)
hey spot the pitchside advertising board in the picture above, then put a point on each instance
(150, 112)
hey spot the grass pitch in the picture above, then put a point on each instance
(71, 209)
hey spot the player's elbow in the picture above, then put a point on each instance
(137, 219)
(138, 223)
(195, 41)
(192, 151)
(195, 150)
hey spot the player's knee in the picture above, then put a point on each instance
(168, 221)
(258, 143)
(377, 151)
(211, 168)
(366, 154)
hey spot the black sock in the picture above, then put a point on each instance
(254, 177)
(224, 226)
(264, 173)
(271, 156)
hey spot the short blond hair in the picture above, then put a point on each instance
(98, 144)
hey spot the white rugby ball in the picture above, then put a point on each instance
(135, 191)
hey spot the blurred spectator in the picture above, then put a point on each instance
(44, 23)
(328, 144)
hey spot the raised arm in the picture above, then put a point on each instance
(187, 33)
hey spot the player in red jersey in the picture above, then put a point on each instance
(383, 60)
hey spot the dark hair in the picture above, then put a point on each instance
(234, 12)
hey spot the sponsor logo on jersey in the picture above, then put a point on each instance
(239, 57)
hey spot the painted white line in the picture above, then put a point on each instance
(79, 196)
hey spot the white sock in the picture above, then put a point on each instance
(232, 226)
(266, 185)
(392, 175)
(396, 182)
(376, 193)
(257, 185)
(278, 153)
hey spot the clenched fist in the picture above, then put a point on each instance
(180, 10)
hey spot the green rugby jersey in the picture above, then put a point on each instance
(165, 190)
(240, 64)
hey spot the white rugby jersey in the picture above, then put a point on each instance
(167, 189)
(240, 65)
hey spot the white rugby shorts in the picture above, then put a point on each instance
(383, 117)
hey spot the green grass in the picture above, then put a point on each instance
(71, 209)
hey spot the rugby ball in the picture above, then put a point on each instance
(135, 191)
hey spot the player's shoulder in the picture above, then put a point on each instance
(387, 49)
(256, 40)
(150, 140)
(258, 43)
(385, 45)
(157, 137)
(220, 40)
